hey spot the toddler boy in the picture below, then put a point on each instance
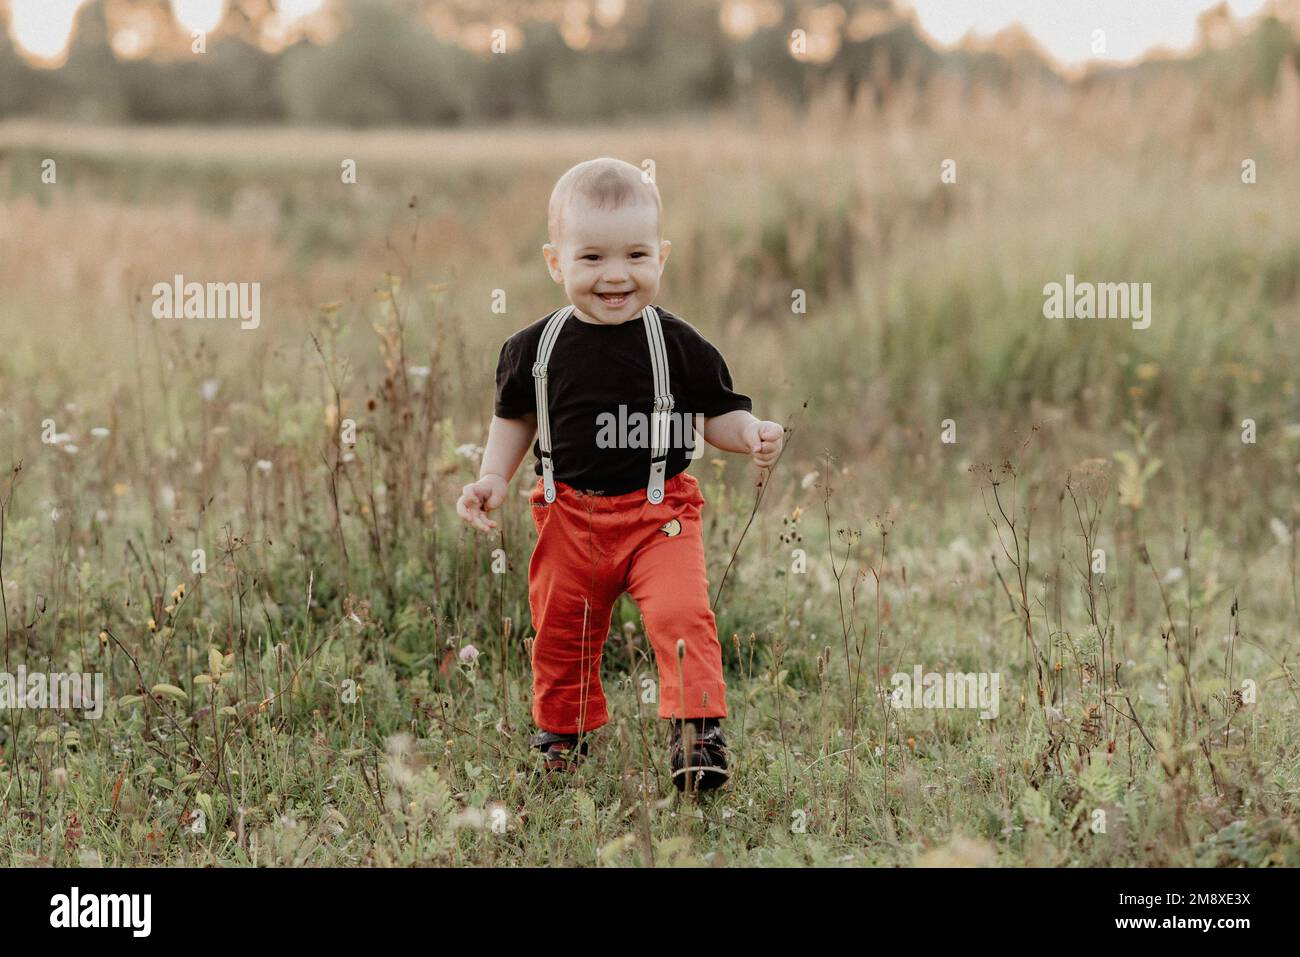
(612, 386)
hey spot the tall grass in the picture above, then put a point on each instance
(305, 700)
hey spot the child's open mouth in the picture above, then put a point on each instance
(611, 299)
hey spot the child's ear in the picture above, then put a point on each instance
(552, 258)
(665, 247)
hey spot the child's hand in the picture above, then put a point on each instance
(479, 498)
(765, 440)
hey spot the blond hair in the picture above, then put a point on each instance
(605, 182)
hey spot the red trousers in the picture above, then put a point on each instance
(590, 550)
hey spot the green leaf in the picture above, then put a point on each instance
(585, 806)
(171, 691)
(1035, 807)
(1099, 781)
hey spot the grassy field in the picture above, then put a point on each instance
(303, 700)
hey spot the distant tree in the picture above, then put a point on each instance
(383, 71)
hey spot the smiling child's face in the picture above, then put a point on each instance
(608, 260)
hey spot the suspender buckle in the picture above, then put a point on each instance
(655, 490)
(664, 403)
(539, 370)
(548, 479)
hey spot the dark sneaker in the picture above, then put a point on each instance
(558, 751)
(706, 767)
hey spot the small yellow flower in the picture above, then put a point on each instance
(181, 589)
(1147, 370)
(1058, 666)
(169, 609)
(153, 625)
(103, 639)
(798, 510)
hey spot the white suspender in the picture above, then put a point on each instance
(660, 419)
(549, 335)
(663, 404)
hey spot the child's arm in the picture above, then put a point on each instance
(507, 444)
(739, 431)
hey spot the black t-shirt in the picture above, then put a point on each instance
(596, 369)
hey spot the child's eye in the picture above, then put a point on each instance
(591, 256)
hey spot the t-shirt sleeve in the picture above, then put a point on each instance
(515, 396)
(711, 390)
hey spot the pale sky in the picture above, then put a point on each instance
(1065, 27)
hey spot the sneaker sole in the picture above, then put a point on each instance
(709, 779)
